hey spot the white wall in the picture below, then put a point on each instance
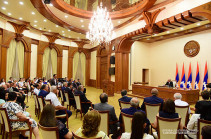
(93, 65)
(33, 66)
(64, 63)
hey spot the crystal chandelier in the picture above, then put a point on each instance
(100, 27)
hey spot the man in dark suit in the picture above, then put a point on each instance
(54, 81)
(86, 103)
(153, 99)
(78, 82)
(169, 83)
(70, 93)
(124, 98)
(104, 106)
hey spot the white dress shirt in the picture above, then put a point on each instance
(193, 125)
(179, 102)
(54, 100)
(36, 91)
(127, 136)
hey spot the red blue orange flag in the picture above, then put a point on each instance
(189, 82)
(197, 80)
(182, 83)
(205, 77)
(177, 75)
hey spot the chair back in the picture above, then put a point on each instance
(1, 119)
(126, 120)
(35, 100)
(47, 101)
(152, 110)
(167, 128)
(77, 137)
(124, 105)
(183, 112)
(61, 94)
(49, 132)
(5, 119)
(202, 123)
(67, 97)
(104, 123)
(78, 102)
(40, 102)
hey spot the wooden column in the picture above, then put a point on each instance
(59, 66)
(39, 64)
(98, 73)
(3, 67)
(88, 59)
(125, 70)
(27, 61)
(70, 64)
(118, 72)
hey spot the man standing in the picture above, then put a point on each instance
(54, 80)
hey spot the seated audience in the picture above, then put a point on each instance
(37, 88)
(153, 99)
(48, 119)
(2, 82)
(45, 80)
(10, 80)
(2, 96)
(168, 112)
(104, 106)
(43, 91)
(192, 126)
(55, 102)
(206, 132)
(86, 103)
(70, 93)
(203, 107)
(178, 101)
(124, 97)
(137, 129)
(90, 126)
(16, 112)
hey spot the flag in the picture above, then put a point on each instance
(196, 86)
(189, 82)
(205, 77)
(177, 75)
(182, 83)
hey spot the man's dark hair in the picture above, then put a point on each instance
(169, 106)
(43, 86)
(36, 85)
(205, 94)
(80, 87)
(124, 92)
(12, 96)
(103, 98)
(54, 75)
(69, 84)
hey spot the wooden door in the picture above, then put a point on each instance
(103, 70)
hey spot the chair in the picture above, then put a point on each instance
(78, 104)
(36, 105)
(124, 105)
(49, 132)
(69, 100)
(201, 123)
(47, 101)
(77, 137)
(104, 123)
(183, 112)
(41, 103)
(62, 96)
(152, 110)
(126, 120)
(167, 128)
(2, 125)
(7, 124)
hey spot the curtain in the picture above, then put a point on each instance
(83, 66)
(10, 58)
(15, 68)
(75, 63)
(81, 4)
(49, 69)
(67, 1)
(54, 61)
(45, 61)
(94, 5)
(20, 52)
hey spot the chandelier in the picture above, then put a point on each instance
(100, 27)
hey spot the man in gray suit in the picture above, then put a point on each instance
(104, 106)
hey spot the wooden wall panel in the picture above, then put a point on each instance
(3, 67)
(92, 83)
(59, 66)
(88, 60)
(118, 72)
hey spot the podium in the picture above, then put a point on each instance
(108, 87)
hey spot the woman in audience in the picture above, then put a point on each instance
(48, 119)
(2, 82)
(168, 112)
(90, 127)
(36, 88)
(138, 125)
(15, 112)
(2, 96)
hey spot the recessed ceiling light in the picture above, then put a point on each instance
(82, 26)
(148, 38)
(33, 13)
(68, 30)
(57, 26)
(63, 34)
(181, 28)
(40, 28)
(168, 32)
(20, 18)
(35, 21)
(69, 36)
(21, 3)
(82, 20)
(63, 31)
(45, 20)
(49, 30)
(9, 14)
(155, 34)
(35, 25)
(161, 36)
(5, 2)
(51, 4)
(3, 8)
(66, 16)
(119, 22)
(198, 24)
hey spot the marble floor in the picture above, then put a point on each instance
(75, 123)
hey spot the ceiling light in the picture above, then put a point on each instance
(63, 34)
(155, 34)
(3, 8)
(21, 3)
(198, 24)
(66, 16)
(68, 30)
(35, 21)
(82, 26)
(35, 25)
(69, 36)
(148, 38)
(40, 28)
(33, 13)
(168, 32)
(119, 22)
(5, 2)
(82, 20)
(9, 14)
(57, 26)
(49, 30)
(62, 31)
(51, 4)
(181, 28)
(20, 18)
(45, 20)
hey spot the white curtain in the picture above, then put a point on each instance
(20, 52)
(54, 61)
(49, 69)
(81, 4)
(15, 68)
(45, 61)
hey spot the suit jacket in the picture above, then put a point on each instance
(170, 84)
(78, 83)
(52, 82)
(69, 90)
(152, 100)
(125, 99)
(43, 93)
(106, 107)
(203, 107)
(82, 96)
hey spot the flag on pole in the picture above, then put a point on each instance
(177, 75)
(205, 77)
(182, 83)
(189, 82)
(197, 83)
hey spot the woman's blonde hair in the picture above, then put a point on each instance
(91, 123)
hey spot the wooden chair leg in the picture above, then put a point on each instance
(76, 112)
(6, 135)
(67, 121)
(81, 114)
(3, 133)
(10, 135)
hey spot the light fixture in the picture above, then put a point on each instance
(51, 4)
(49, 30)
(167, 32)
(3, 8)
(100, 27)
(57, 26)
(21, 3)
(62, 31)
(119, 21)
(9, 14)
(198, 24)
(33, 13)
(5, 2)
(82, 26)
(40, 28)
(63, 34)
(68, 30)
(155, 34)
(35, 25)
(181, 28)
(20, 18)
(45, 20)
(82, 20)
(35, 21)
(66, 16)
(69, 36)
(148, 38)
